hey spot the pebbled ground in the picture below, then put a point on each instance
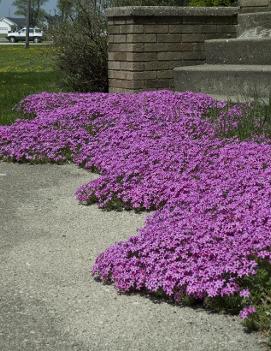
(48, 301)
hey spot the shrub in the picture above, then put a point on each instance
(82, 50)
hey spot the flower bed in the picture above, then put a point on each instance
(210, 234)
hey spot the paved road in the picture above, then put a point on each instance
(48, 301)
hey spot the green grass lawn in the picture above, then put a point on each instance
(24, 72)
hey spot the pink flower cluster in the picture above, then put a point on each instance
(155, 150)
(247, 312)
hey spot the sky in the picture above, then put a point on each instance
(6, 8)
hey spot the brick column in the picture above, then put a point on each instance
(147, 42)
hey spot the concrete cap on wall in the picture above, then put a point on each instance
(174, 11)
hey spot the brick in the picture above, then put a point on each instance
(160, 47)
(123, 21)
(125, 75)
(218, 36)
(158, 83)
(149, 20)
(188, 46)
(177, 56)
(197, 46)
(175, 28)
(190, 62)
(141, 38)
(128, 84)
(195, 55)
(192, 37)
(169, 38)
(131, 75)
(110, 39)
(120, 90)
(195, 20)
(206, 28)
(167, 74)
(223, 20)
(119, 38)
(226, 28)
(193, 28)
(117, 56)
(159, 65)
(130, 57)
(114, 29)
(156, 28)
(169, 56)
(152, 65)
(126, 47)
(146, 75)
(144, 56)
(132, 28)
(132, 66)
(222, 36)
(210, 20)
(113, 65)
(136, 84)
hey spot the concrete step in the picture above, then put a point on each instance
(250, 23)
(238, 51)
(254, 5)
(240, 82)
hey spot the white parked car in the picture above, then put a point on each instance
(35, 35)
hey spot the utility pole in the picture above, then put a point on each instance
(28, 13)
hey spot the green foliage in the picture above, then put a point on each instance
(65, 8)
(37, 12)
(81, 42)
(260, 288)
(213, 2)
(255, 122)
(227, 304)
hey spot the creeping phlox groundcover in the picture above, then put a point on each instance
(155, 150)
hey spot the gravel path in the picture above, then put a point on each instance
(48, 301)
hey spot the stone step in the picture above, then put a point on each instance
(238, 51)
(240, 82)
(253, 22)
(254, 5)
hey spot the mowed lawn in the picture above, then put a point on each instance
(24, 72)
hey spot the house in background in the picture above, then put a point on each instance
(10, 23)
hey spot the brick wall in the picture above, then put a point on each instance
(146, 43)
(254, 5)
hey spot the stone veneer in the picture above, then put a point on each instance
(146, 43)
(254, 5)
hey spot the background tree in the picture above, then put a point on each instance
(37, 10)
(65, 8)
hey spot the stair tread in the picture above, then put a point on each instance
(239, 40)
(254, 14)
(226, 67)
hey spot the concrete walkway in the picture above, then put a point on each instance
(48, 301)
